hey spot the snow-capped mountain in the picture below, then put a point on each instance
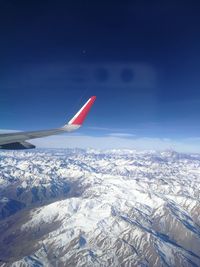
(95, 208)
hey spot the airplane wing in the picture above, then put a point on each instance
(17, 140)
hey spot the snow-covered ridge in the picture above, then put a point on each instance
(99, 208)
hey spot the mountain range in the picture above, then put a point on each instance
(79, 207)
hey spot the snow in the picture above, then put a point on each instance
(121, 204)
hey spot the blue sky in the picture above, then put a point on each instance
(140, 58)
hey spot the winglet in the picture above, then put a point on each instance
(80, 116)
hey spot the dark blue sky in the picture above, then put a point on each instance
(140, 58)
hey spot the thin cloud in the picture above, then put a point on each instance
(121, 135)
(102, 128)
(117, 140)
(110, 129)
(8, 131)
(114, 142)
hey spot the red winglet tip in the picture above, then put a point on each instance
(79, 118)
